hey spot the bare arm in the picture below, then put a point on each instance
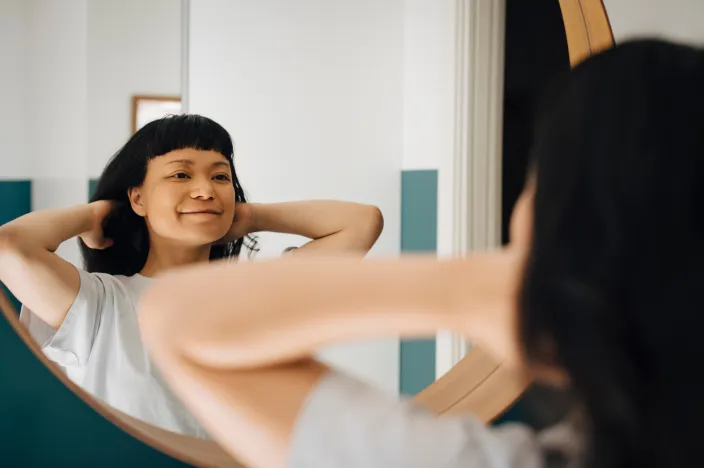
(287, 309)
(332, 225)
(242, 365)
(30, 269)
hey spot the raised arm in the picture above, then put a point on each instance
(333, 226)
(240, 363)
(286, 309)
(29, 267)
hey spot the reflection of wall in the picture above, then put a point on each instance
(69, 71)
(312, 92)
(43, 140)
(334, 99)
(419, 221)
(133, 47)
(14, 48)
(673, 19)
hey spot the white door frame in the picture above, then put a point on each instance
(185, 48)
(469, 185)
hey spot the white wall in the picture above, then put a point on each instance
(428, 83)
(57, 106)
(57, 84)
(69, 71)
(679, 20)
(14, 92)
(312, 92)
(43, 81)
(133, 47)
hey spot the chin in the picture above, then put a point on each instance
(204, 237)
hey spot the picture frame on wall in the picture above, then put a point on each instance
(148, 108)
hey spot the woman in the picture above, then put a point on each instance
(169, 198)
(598, 292)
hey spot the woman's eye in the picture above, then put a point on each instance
(222, 177)
(180, 175)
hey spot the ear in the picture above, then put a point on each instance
(136, 201)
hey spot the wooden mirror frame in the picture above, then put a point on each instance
(477, 384)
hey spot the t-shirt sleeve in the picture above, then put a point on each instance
(347, 423)
(71, 344)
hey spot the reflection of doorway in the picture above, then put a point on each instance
(535, 52)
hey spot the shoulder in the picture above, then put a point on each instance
(104, 287)
(347, 421)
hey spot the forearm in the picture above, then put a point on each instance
(353, 226)
(47, 229)
(258, 314)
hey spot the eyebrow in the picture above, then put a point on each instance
(188, 162)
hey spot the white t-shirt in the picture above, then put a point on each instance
(346, 423)
(99, 346)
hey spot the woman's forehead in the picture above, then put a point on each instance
(192, 157)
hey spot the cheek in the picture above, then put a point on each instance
(522, 221)
(161, 204)
(226, 194)
(163, 200)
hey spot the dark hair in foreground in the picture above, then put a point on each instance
(613, 289)
(128, 168)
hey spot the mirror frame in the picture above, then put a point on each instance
(477, 384)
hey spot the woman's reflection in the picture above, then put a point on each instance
(170, 197)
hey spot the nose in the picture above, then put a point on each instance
(202, 190)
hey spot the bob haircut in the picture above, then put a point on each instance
(128, 169)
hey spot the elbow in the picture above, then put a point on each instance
(11, 247)
(9, 241)
(376, 218)
(373, 224)
(16, 243)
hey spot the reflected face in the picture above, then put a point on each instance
(187, 196)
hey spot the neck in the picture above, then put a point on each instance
(165, 255)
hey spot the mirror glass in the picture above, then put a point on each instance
(336, 100)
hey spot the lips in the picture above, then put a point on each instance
(213, 212)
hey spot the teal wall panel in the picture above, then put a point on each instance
(419, 220)
(16, 196)
(91, 187)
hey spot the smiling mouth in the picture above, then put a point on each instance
(210, 212)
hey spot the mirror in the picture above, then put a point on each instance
(354, 102)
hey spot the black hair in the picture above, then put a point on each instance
(128, 168)
(612, 286)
